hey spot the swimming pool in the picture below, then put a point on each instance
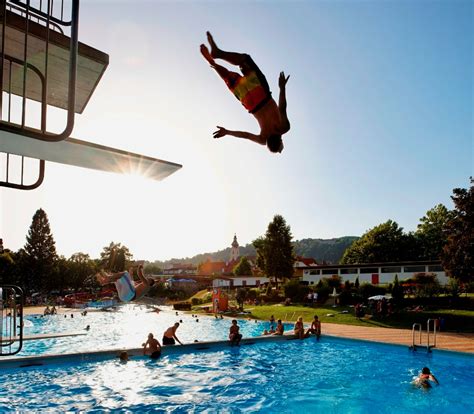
(332, 375)
(127, 327)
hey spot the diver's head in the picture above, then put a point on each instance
(275, 143)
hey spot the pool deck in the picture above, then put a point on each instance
(450, 341)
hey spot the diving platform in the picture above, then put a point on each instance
(48, 53)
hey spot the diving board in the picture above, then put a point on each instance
(91, 63)
(85, 154)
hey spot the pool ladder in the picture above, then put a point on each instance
(418, 328)
(11, 320)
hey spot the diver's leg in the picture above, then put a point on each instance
(234, 58)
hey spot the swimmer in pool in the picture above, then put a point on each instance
(169, 336)
(425, 378)
(154, 347)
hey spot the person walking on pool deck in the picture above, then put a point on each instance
(170, 335)
(127, 289)
(253, 92)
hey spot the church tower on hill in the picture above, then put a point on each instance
(235, 252)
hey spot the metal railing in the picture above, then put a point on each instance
(11, 320)
(14, 117)
(29, 16)
(428, 323)
(414, 328)
(417, 329)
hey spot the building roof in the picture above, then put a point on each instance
(378, 264)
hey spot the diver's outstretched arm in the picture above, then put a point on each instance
(282, 80)
(221, 131)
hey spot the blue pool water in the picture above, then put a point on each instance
(329, 376)
(128, 327)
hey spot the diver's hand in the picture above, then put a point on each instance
(221, 131)
(282, 80)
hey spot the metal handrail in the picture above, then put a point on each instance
(47, 16)
(22, 186)
(14, 302)
(413, 333)
(428, 332)
(33, 14)
(43, 135)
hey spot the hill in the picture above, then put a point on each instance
(323, 250)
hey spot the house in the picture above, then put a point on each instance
(302, 263)
(239, 281)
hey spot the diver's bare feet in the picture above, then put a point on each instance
(214, 49)
(207, 55)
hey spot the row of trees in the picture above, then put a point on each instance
(446, 235)
(442, 233)
(37, 266)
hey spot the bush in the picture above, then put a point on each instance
(427, 285)
(334, 281)
(367, 290)
(252, 294)
(345, 298)
(323, 290)
(295, 291)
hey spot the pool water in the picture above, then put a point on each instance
(128, 327)
(329, 376)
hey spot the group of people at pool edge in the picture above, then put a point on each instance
(152, 346)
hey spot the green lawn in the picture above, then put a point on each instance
(455, 320)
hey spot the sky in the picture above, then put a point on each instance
(380, 100)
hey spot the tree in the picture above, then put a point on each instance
(295, 291)
(458, 253)
(82, 271)
(427, 284)
(240, 297)
(242, 268)
(397, 291)
(40, 250)
(431, 232)
(115, 257)
(7, 265)
(152, 269)
(383, 243)
(275, 251)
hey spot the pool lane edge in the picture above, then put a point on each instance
(91, 356)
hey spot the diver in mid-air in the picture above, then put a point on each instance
(253, 92)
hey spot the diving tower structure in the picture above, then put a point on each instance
(44, 66)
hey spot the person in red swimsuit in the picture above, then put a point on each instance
(252, 90)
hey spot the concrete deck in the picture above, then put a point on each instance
(459, 342)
